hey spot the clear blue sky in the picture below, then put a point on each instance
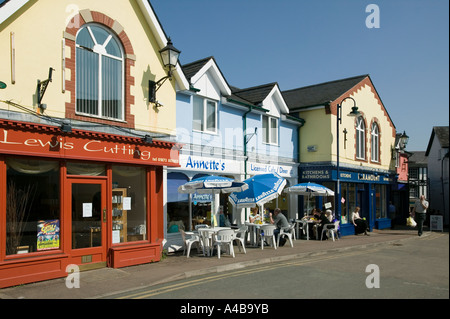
(301, 42)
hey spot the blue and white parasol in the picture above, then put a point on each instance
(261, 189)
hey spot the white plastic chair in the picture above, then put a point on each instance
(206, 238)
(267, 231)
(240, 237)
(290, 233)
(189, 241)
(331, 229)
(225, 237)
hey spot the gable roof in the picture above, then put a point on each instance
(257, 94)
(319, 94)
(195, 70)
(441, 133)
(417, 158)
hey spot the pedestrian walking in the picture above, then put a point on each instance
(392, 216)
(420, 213)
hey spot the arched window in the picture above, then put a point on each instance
(375, 143)
(360, 138)
(99, 73)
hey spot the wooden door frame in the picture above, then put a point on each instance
(87, 258)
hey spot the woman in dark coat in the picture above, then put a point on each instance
(361, 225)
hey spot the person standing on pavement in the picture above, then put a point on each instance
(420, 213)
(392, 214)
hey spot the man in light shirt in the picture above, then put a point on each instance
(420, 211)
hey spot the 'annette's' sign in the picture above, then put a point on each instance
(26, 143)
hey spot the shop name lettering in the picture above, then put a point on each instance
(268, 169)
(208, 164)
(55, 144)
(316, 174)
(369, 177)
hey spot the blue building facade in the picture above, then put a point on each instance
(228, 132)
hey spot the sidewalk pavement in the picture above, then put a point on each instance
(100, 283)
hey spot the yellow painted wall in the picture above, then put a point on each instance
(320, 129)
(315, 133)
(38, 33)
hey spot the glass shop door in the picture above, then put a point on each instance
(88, 221)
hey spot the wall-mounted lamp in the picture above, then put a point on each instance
(66, 128)
(404, 139)
(147, 139)
(41, 87)
(169, 55)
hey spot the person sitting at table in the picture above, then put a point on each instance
(315, 218)
(361, 225)
(281, 222)
(254, 215)
(325, 218)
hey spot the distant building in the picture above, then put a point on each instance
(417, 176)
(437, 158)
(400, 189)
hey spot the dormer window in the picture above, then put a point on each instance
(270, 130)
(205, 115)
(99, 73)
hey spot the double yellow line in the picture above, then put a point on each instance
(235, 273)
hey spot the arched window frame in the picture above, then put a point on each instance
(69, 36)
(92, 75)
(360, 138)
(375, 143)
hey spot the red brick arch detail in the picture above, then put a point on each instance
(72, 28)
(332, 108)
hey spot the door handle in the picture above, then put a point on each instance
(104, 215)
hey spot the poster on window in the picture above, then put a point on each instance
(48, 234)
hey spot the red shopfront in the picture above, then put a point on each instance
(85, 198)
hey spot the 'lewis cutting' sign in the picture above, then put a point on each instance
(19, 142)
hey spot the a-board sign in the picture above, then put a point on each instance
(436, 223)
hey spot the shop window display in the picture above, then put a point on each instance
(32, 206)
(177, 204)
(380, 201)
(129, 202)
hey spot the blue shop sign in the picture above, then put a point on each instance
(326, 174)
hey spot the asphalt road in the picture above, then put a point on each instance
(415, 269)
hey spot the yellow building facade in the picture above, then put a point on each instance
(41, 35)
(366, 166)
(80, 136)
